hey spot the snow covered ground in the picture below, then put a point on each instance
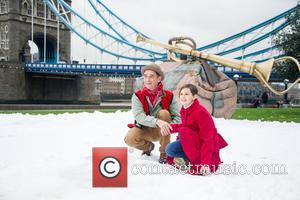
(49, 157)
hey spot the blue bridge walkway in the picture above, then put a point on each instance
(111, 70)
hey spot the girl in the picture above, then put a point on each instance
(199, 142)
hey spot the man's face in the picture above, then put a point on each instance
(151, 79)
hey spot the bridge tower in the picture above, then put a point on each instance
(21, 22)
(17, 28)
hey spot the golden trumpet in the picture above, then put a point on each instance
(261, 71)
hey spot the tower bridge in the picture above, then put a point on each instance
(50, 75)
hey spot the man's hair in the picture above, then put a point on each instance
(192, 88)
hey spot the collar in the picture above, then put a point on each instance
(156, 90)
(191, 108)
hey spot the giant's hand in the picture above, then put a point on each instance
(165, 127)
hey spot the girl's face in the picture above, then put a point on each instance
(186, 97)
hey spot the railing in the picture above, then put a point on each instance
(112, 70)
(84, 69)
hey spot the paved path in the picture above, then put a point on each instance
(107, 105)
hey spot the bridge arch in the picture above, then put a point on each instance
(38, 40)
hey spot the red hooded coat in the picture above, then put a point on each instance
(199, 138)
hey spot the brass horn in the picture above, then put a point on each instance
(261, 71)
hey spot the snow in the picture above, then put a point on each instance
(49, 157)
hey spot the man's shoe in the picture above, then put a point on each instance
(148, 152)
(162, 158)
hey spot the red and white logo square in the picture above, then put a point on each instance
(110, 167)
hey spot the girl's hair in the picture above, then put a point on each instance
(192, 88)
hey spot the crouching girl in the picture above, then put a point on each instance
(199, 142)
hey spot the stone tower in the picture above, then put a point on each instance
(15, 32)
(16, 86)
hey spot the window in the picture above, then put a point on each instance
(29, 11)
(26, 7)
(47, 12)
(4, 41)
(40, 9)
(3, 6)
(40, 12)
(53, 16)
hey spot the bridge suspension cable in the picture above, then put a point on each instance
(119, 40)
(245, 39)
(143, 54)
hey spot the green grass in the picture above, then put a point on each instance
(56, 112)
(268, 114)
(263, 114)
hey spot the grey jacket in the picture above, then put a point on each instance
(150, 120)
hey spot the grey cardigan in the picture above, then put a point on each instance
(150, 120)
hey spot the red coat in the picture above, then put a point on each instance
(199, 138)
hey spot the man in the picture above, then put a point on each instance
(264, 98)
(153, 109)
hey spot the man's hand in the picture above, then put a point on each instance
(165, 127)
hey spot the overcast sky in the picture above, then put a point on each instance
(205, 21)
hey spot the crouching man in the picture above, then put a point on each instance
(153, 109)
